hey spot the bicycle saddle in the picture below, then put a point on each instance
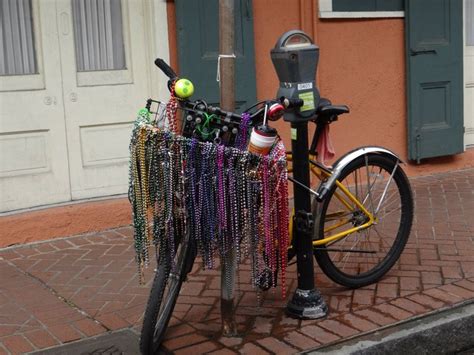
(327, 109)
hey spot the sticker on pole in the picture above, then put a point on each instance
(308, 99)
(305, 86)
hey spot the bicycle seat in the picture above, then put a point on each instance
(325, 108)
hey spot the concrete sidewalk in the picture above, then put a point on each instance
(65, 290)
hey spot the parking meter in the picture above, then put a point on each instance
(295, 58)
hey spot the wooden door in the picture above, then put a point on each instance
(105, 66)
(198, 48)
(435, 77)
(33, 149)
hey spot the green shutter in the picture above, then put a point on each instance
(198, 47)
(368, 5)
(435, 77)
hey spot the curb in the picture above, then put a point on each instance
(447, 331)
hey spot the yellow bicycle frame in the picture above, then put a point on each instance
(320, 174)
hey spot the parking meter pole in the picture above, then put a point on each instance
(302, 203)
(306, 302)
(227, 102)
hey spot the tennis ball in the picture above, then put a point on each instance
(183, 88)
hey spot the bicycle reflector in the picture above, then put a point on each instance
(295, 58)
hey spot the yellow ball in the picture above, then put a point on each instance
(183, 88)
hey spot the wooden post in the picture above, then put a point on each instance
(227, 102)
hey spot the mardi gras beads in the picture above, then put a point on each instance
(226, 199)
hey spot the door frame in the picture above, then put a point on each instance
(466, 145)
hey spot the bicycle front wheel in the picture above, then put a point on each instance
(169, 277)
(363, 257)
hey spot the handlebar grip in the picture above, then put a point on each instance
(291, 103)
(165, 68)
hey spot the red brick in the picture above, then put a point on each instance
(338, 328)
(363, 297)
(410, 283)
(431, 278)
(357, 322)
(197, 300)
(112, 321)
(442, 295)
(65, 333)
(178, 330)
(374, 316)
(192, 288)
(458, 291)
(223, 352)
(427, 301)
(41, 338)
(89, 327)
(186, 340)
(387, 290)
(410, 306)
(277, 346)
(452, 272)
(319, 334)
(299, 340)
(202, 348)
(17, 344)
(252, 349)
(468, 285)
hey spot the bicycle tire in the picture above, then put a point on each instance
(163, 295)
(384, 248)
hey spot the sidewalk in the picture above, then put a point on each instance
(74, 288)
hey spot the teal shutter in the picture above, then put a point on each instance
(435, 77)
(367, 5)
(198, 47)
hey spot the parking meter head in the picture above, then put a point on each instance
(295, 58)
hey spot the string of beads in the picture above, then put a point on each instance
(226, 198)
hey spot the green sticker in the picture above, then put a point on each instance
(308, 99)
(293, 134)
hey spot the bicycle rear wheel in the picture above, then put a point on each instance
(169, 277)
(363, 257)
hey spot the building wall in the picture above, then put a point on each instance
(362, 64)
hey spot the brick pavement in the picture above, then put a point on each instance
(73, 288)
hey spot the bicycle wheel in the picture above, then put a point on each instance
(164, 293)
(363, 257)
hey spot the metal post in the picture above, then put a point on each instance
(227, 102)
(306, 301)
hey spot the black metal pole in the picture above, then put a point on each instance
(306, 301)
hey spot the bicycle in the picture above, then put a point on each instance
(350, 207)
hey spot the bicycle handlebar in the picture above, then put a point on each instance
(165, 68)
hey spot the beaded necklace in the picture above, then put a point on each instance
(226, 198)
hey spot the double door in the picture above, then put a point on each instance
(72, 75)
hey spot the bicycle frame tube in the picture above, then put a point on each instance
(318, 170)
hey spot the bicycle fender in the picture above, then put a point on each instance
(345, 160)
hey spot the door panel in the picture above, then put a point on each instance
(100, 104)
(435, 78)
(33, 148)
(198, 47)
